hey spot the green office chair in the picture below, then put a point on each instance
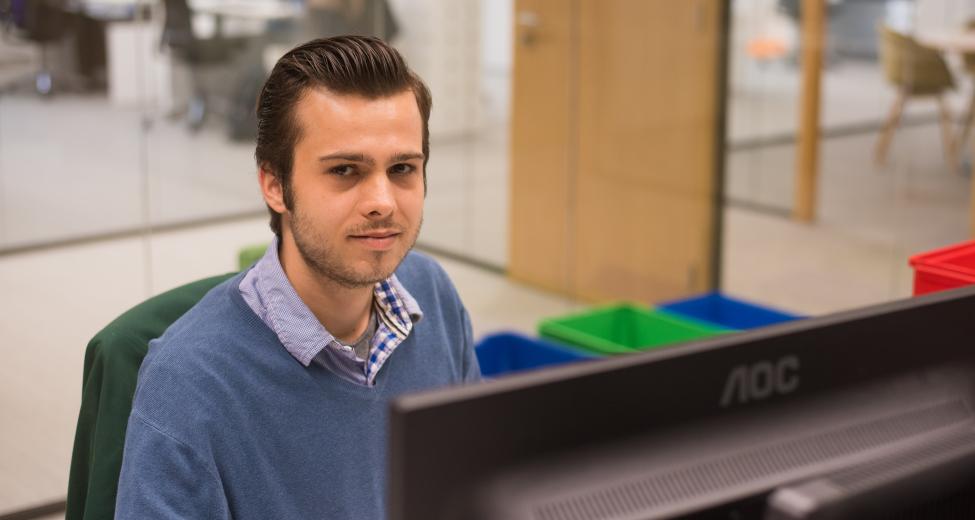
(112, 362)
(915, 71)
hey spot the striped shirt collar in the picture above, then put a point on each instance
(269, 293)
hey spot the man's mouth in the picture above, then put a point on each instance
(378, 240)
(382, 233)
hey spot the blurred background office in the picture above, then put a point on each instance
(581, 152)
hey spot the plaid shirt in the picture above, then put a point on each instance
(271, 296)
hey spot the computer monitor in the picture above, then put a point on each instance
(852, 415)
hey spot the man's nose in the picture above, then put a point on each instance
(378, 197)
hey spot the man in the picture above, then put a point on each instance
(269, 398)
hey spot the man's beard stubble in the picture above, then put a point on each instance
(319, 256)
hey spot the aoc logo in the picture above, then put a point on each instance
(761, 380)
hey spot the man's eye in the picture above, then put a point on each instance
(343, 170)
(402, 168)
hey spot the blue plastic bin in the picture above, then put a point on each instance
(728, 312)
(506, 353)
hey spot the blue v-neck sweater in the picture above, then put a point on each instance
(227, 424)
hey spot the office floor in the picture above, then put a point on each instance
(871, 220)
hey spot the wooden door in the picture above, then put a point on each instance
(541, 130)
(638, 131)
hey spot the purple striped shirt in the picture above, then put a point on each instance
(269, 293)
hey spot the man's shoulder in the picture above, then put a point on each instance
(417, 264)
(204, 337)
(420, 274)
(215, 314)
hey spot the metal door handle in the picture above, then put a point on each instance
(529, 22)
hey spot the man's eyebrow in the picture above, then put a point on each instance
(361, 158)
(347, 156)
(401, 157)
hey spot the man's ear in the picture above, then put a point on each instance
(271, 189)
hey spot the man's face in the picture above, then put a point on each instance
(356, 185)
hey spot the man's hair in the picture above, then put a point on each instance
(356, 65)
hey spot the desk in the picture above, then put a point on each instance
(252, 14)
(137, 72)
(957, 42)
(264, 10)
(261, 10)
(962, 43)
(250, 9)
(112, 10)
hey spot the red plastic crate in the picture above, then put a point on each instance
(946, 268)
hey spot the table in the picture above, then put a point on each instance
(951, 42)
(133, 36)
(265, 10)
(112, 10)
(255, 14)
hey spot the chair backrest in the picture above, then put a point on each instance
(911, 66)
(178, 26)
(178, 36)
(45, 20)
(13, 12)
(112, 362)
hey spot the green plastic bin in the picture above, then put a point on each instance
(624, 328)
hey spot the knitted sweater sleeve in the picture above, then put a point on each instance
(472, 370)
(163, 477)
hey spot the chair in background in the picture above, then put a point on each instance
(46, 23)
(112, 362)
(916, 71)
(250, 255)
(11, 15)
(198, 54)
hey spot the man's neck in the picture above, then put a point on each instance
(343, 311)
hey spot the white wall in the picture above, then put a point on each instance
(496, 29)
(497, 55)
(440, 39)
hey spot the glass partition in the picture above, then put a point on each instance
(71, 134)
(158, 126)
(74, 199)
(126, 169)
(891, 179)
